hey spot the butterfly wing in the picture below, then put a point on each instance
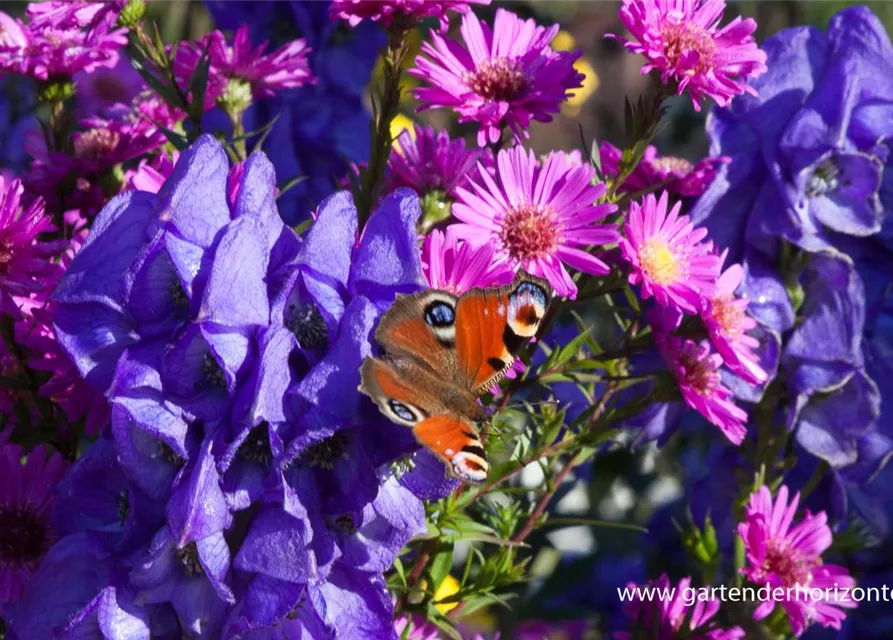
(405, 393)
(421, 327)
(493, 325)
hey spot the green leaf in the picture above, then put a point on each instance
(441, 563)
(398, 569)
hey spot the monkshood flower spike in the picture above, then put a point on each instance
(230, 351)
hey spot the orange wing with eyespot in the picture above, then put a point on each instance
(455, 441)
(493, 325)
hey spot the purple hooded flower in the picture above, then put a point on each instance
(835, 402)
(808, 152)
(252, 475)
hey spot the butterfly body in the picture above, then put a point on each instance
(440, 352)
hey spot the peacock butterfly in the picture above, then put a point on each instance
(439, 353)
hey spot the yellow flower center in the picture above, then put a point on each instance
(659, 262)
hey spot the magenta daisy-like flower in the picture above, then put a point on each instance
(682, 40)
(26, 502)
(660, 609)
(26, 262)
(456, 266)
(696, 370)
(265, 74)
(506, 76)
(430, 161)
(59, 46)
(538, 217)
(667, 255)
(789, 557)
(677, 176)
(725, 317)
(385, 11)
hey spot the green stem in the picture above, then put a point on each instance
(394, 62)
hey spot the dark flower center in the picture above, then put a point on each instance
(670, 164)
(697, 372)
(189, 562)
(123, 503)
(167, 454)
(498, 79)
(345, 524)
(529, 231)
(682, 38)
(326, 453)
(24, 537)
(96, 143)
(825, 179)
(256, 446)
(307, 325)
(178, 295)
(213, 374)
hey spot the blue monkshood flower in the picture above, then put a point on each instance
(834, 401)
(808, 152)
(319, 130)
(230, 352)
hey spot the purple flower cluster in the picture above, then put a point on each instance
(807, 188)
(245, 485)
(58, 39)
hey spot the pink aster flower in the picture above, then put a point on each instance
(68, 14)
(506, 76)
(384, 11)
(667, 255)
(727, 323)
(26, 503)
(59, 46)
(266, 74)
(681, 39)
(456, 266)
(790, 557)
(151, 173)
(105, 91)
(538, 217)
(430, 161)
(26, 265)
(696, 370)
(660, 610)
(677, 176)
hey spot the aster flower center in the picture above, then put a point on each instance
(307, 325)
(256, 446)
(24, 538)
(789, 565)
(326, 453)
(697, 373)
(681, 39)
(659, 262)
(670, 164)
(498, 79)
(189, 561)
(529, 231)
(727, 315)
(96, 143)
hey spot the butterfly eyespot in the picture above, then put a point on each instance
(440, 314)
(534, 291)
(402, 411)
